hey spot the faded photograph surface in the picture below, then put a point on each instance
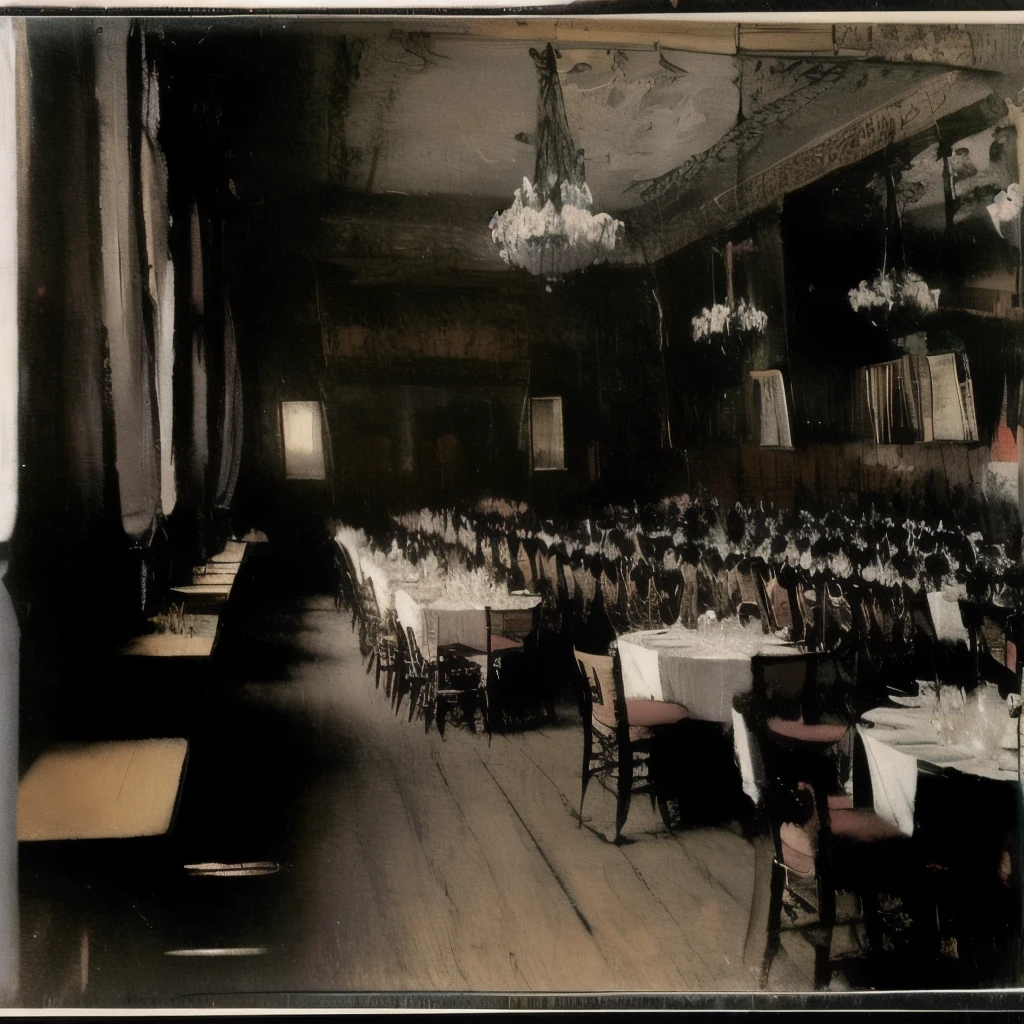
(508, 505)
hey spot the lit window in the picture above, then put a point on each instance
(302, 423)
(548, 442)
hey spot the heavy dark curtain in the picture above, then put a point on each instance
(128, 332)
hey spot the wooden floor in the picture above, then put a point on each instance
(458, 864)
(412, 862)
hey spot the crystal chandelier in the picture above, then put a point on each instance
(549, 230)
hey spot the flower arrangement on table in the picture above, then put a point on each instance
(175, 620)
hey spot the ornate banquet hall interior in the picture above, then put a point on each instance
(508, 506)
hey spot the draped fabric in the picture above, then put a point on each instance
(131, 369)
(8, 283)
(160, 280)
(772, 411)
(67, 417)
(231, 427)
(547, 433)
(200, 444)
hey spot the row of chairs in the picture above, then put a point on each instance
(458, 676)
(885, 631)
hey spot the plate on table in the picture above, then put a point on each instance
(939, 755)
(905, 701)
(896, 718)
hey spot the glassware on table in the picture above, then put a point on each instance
(705, 624)
(976, 719)
(987, 720)
(943, 714)
(994, 721)
(938, 720)
(927, 691)
(952, 712)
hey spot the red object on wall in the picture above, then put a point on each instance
(1004, 445)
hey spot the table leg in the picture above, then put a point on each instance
(756, 944)
(83, 960)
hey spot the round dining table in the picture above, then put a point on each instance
(912, 730)
(701, 669)
(901, 742)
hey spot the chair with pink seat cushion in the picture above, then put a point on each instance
(619, 735)
(798, 729)
(799, 843)
(822, 842)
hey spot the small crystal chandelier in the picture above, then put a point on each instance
(549, 229)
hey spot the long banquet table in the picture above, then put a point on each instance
(436, 623)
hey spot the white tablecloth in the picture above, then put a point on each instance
(899, 740)
(435, 625)
(703, 674)
(946, 618)
(893, 781)
(751, 766)
(910, 731)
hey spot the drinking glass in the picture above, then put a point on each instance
(927, 691)
(952, 714)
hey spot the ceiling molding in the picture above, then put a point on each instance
(675, 218)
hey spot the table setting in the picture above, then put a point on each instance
(702, 669)
(452, 609)
(945, 727)
(939, 730)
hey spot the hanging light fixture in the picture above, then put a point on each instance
(895, 289)
(549, 230)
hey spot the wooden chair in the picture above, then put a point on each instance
(457, 680)
(416, 675)
(776, 600)
(385, 652)
(508, 631)
(508, 628)
(808, 603)
(345, 595)
(713, 586)
(371, 624)
(996, 638)
(619, 736)
(668, 585)
(820, 842)
(749, 601)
